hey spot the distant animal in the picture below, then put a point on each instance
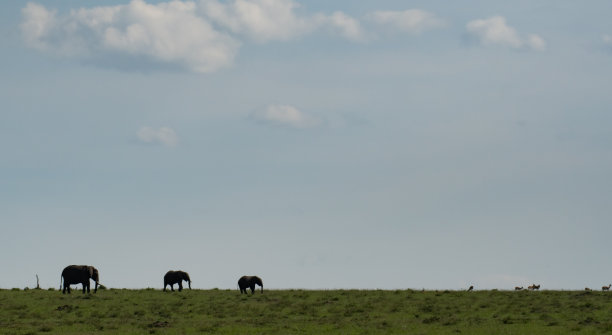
(79, 274)
(176, 277)
(249, 282)
(587, 289)
(533, 287)
(471, 288)
(606, 288)
(518, 288)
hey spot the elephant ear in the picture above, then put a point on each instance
(91, 271)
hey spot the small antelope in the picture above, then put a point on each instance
(606, 288)
(518, 288)
(536, 287)
(471, 288)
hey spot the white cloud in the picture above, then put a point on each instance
(176, 33)
(269, 20)
(412, 21)
(286, 115)
(345, 25)
(168, 33)
(607, 39)
(536, 42)
(494, 30)
(164, 136)
(262, 20)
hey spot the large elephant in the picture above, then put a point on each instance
(249, 282)
(79, 274)
(174, 277)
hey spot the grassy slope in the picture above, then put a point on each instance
(305, 312)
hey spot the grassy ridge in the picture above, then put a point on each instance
(305, 312)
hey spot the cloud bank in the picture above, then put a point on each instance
(495, 31)
(163, 136)
(202, 36)
(199, 36)
(168, 33)
(285, 116)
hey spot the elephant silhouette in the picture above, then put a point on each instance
(249, 282)
(176, 277)
(79, 274)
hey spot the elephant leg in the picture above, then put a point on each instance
(165, 287)
(88, 287)
(180, 286)
(68, 288)
(172, 287)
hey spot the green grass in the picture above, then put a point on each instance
(305, 312)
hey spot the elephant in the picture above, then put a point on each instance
(249, 282)
(174, 277)
(75, 274)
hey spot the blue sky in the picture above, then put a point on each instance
(379, 144)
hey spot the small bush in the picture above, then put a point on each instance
(51, 289)
(15, 289)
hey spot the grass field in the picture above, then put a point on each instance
(151, 311)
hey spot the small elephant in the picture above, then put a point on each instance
(79, 274)
(249, 281)
(174, 277)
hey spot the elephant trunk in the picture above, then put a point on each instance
(189, 282)
(261, 288)
(96, 288)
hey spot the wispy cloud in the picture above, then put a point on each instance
(287, 116)
(269, 20)
(344, 25)
(162, 136)
(607, 40)
(413, 21)
(261, 20)
(495, 31)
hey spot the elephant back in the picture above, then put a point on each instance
(75, 269)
